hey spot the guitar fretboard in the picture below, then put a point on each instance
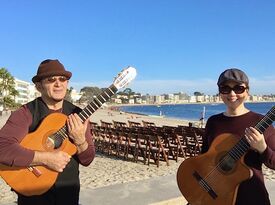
(96, 103)
(243, 146)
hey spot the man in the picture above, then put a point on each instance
(238, 120)
(52, 82)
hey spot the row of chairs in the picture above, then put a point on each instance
(148, 143)
(116, 124)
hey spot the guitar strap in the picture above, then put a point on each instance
(70, 175)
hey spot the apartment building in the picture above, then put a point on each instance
(27, 91)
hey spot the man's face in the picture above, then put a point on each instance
(53, 88)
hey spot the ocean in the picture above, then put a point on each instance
(192, 111)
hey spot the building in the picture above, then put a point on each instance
(75, 95)
(27, 91)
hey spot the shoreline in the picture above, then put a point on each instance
(181, 103)
(115, 115)
(159, 110)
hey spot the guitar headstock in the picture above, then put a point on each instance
(125, 77)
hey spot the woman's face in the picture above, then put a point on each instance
(233, 94)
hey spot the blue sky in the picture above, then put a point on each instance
(175, 45)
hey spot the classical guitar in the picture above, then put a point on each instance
(52, 135)
(213, 178)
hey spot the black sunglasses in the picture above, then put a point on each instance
(54, 79)
(238, 89)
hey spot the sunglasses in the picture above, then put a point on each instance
(238, 89)
(53, 79)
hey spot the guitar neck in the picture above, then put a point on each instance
(243, 146)
(97, 102)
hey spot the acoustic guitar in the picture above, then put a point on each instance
(213, 178)
(52, 135)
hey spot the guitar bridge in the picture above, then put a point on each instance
(35, 171)
(205, 185)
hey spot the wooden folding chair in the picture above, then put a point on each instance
(119, 124)
(148, 124)
(156, 150)
(142, 147)
(134, 124)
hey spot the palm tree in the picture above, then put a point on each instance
(7, 87)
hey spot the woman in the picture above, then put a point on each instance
(238, 120)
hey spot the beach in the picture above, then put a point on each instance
(108, 170)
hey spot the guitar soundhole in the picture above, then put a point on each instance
(53, 142)
(226, 163)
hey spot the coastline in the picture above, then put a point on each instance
(108, 115)
(195, 112)
(175, 121)
(181, 103)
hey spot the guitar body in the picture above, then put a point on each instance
(202, 180)
(24, 181)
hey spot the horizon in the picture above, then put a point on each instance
(176, 46)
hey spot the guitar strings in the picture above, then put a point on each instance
(62, 133)
(214, 173)
(242, 146)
